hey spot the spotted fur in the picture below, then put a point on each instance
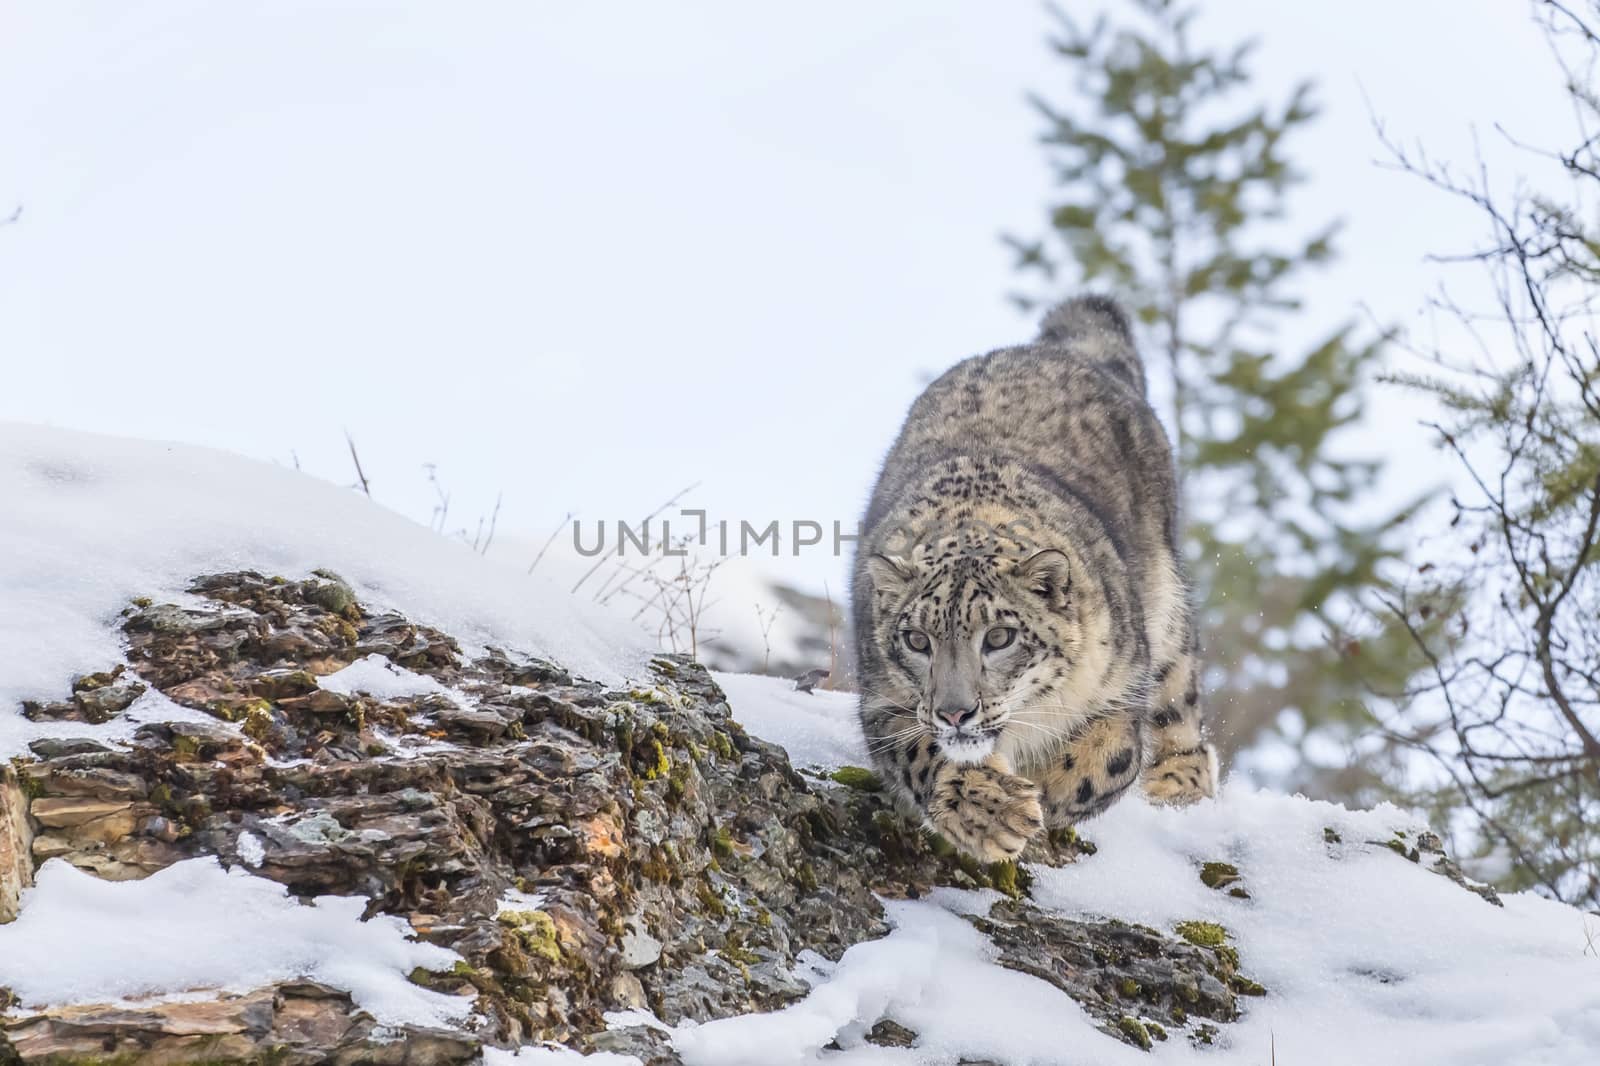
(1024, 635)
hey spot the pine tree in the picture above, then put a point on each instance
(1173, 185)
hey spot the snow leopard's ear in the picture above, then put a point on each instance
(891, 574)
(1047, 575)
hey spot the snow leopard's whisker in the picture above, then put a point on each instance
(914, 727)
(908, 730)
(875, 695)
(891, 741)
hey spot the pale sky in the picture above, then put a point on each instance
(583, 255)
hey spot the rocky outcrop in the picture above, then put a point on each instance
(584, 849)
(294, 1024)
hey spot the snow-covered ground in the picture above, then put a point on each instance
(817, 728)
(1367, 958)
(90, 522)
(83, 940)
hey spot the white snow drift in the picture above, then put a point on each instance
(89, 522)
(195, 927)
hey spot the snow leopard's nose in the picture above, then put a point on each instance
(957, 716)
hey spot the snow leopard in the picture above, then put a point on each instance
(1025, 637)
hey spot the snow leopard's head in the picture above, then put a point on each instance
(976, 646)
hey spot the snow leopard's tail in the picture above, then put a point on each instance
(1096, 328)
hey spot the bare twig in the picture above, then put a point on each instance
(441, 508)
(551, 539)
(765, 620)
(494, 518)
(361, 476)
(1508, 710)
(679, 598)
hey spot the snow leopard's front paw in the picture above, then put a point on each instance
(987, 813)
(1183, 778)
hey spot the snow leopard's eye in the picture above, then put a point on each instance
(916, 640)
(999, 637)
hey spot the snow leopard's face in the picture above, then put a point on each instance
(969, 642)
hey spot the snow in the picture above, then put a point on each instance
(817, 728)
(375, 676)
(554, 1056)
(516, 900)
(16, 732)
(195, 926)
(251, 849)
(91, 522)
(1368, 957)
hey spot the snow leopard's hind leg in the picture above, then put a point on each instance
(1182, 765)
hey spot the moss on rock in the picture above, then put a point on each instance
(536, 932)
(1218, 874)
(1009, 879)
(1202, 934)
(857, 777)
(1135, 1031)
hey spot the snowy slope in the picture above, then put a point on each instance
(817, 728)
(1367, 958)
(90, 522)
(83, 940)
